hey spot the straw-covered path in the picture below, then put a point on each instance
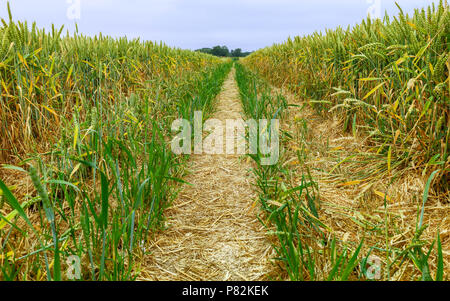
(213, 232)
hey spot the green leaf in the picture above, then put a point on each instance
(373, 91)
(336, 266)
(12, 201)
(105, 203)
(425, 196)
(11, 167)
(63, 183)
(352, 263)
(440, 261)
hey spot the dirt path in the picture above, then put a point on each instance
(213, 231)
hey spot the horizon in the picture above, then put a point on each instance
(246, 24)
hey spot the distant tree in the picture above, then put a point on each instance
(220, 51)
(236, 53)
(205, 50)
(223, 51)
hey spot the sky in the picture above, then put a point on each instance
(194, 24)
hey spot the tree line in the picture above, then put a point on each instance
(223, 51)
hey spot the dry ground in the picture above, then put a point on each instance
(213, 232)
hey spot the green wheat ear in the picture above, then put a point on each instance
(42, 192)
(94, 117)
(9, 12)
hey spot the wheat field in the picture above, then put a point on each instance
(87, 172)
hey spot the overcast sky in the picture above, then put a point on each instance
(193, 24)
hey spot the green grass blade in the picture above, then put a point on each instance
(425, 197)
(440, 261)
(352, 263)
(12, 201)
